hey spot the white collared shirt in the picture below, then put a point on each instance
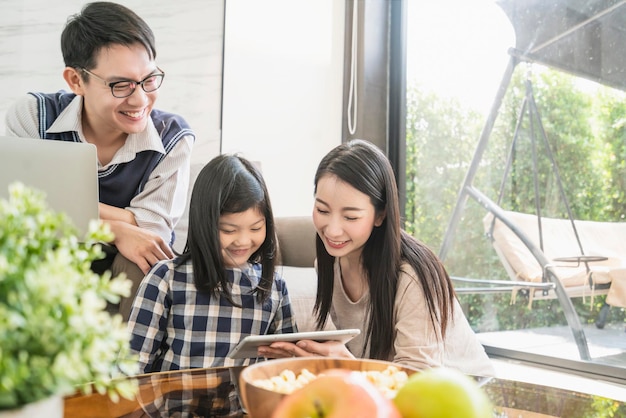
(161, 203)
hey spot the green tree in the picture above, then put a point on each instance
(585, 131)
(440, 136)
(610, 118)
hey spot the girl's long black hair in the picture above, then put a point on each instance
(366, 168)
(227, 184)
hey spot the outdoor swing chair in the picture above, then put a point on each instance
(549, 257)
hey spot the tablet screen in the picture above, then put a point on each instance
(247, 347)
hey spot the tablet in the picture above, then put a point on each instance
(247, 347)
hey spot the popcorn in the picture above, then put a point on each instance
(388, 381)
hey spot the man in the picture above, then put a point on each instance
(143, 153)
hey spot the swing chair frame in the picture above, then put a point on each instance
(530, 48)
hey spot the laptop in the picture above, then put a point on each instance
(67, 172)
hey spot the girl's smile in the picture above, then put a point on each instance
(241, 235)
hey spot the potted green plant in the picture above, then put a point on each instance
(56, 336)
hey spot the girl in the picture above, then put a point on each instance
(374, 276)
(191, 311)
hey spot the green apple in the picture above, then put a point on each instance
(442, 393)
(337, 393)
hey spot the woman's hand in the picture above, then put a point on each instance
(304, 348)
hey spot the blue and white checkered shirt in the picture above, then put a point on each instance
(175, 327)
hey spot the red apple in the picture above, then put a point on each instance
(337, 393)
(442, 393)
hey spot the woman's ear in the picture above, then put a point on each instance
(380, 218)
(74, 80)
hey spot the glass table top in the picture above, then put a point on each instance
(213, 393)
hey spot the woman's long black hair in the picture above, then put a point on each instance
(363, 166)
(227, 184)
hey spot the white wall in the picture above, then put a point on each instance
(282, 86)
(282, 91)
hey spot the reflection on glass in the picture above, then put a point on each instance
(194, 393)
(549, 144)
(213, 393)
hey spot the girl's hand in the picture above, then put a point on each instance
(304, 348)
(277, 350)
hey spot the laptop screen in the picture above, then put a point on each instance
(67, 172)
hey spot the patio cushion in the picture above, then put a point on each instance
(605, 239)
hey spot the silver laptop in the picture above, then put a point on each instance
(66, 172)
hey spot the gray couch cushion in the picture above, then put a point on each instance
(302, 286)
(296, 241)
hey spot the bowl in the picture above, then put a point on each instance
(260, 402)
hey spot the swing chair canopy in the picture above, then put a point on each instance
(583, 37)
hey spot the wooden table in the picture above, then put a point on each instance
(212, 393)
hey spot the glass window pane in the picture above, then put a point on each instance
(537, 131)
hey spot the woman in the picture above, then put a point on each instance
(374, 276)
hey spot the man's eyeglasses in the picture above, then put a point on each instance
(125, 88)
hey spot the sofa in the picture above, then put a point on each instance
(296, 246)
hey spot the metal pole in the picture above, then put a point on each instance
(478, 154)
(566, 303)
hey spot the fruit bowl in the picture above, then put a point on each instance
(260, 402)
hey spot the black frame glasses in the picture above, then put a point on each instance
(125, 88)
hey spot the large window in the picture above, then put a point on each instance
(507, 121)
